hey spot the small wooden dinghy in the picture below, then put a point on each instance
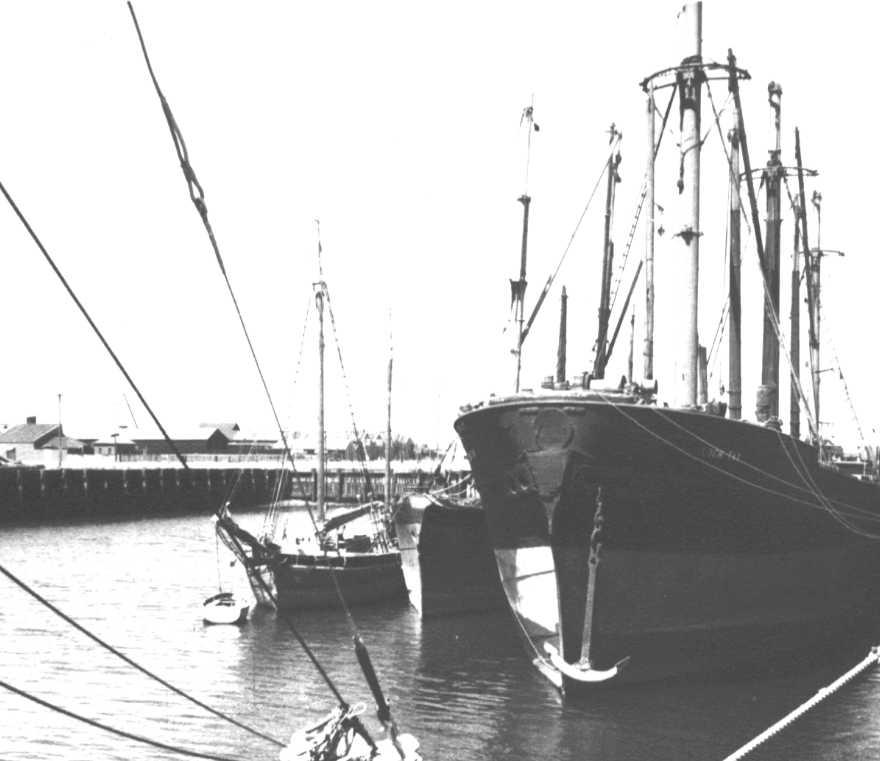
(224, 608)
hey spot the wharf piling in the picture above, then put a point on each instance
(40, 495)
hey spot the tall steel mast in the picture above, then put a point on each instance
(734, 279)
(649, 249)
(772, 179)
(607, 260)
(518, 287)
(690, 79)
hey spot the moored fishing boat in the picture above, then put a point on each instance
(312, 571)
(638, 541)
(447, 561)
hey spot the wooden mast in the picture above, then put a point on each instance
(388, 435)
(734, 285)
(320, 287)
(607, 261)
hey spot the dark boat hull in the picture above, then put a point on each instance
(447, 561)
(305, 582)
(682, 541)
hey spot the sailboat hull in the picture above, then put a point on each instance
(681, 541)
(307, 581)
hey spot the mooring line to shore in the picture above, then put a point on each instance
(107, 646)
(112, 730)
(872, 659)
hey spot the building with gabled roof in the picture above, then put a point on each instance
(229, 430)
(22, 440)
(199, 441)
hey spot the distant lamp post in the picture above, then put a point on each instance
(115, 438)
(60, 437)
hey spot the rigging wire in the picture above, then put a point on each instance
(270, 521)
(761, 471)
(361, 450)
(644, 191)
(743, 215)
(348, 398)
(639, 207)
(197, 196)
(146, 672)
(808, 490)
(838, 516)
(91, 322)
(108, 728)
(552, 277)
(771, 312)
(171, 444)
(712, 466)
(852, 407)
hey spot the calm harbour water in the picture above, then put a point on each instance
(462, 685)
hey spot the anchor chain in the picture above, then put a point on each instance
(598, 526)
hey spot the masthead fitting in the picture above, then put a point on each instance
(774, 98)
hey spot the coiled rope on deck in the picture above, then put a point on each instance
(825, 692)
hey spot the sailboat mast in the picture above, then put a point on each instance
(319, 302)
(690, 79)
(561, 348)
(649, 250)
(607, 262)
(734, 285)
(773, 173)
(388, 440)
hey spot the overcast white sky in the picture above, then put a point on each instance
(396, 123)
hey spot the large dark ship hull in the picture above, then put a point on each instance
(305, 582)
(668, 541)
(447, 560)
